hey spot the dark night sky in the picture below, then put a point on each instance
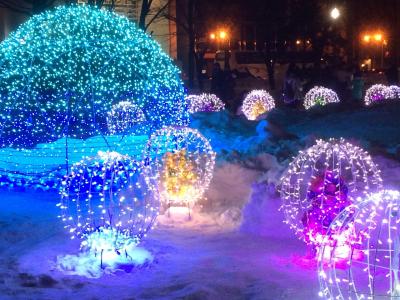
(297, 13)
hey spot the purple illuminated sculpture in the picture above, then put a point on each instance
(321, 182)
(328, 195)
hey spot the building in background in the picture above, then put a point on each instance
(161, 15)
(162, 27)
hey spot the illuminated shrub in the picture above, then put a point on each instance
(182, 162)
(321, 182)
(257, 103)
(204, 103)
(363, 262)
(320, 96)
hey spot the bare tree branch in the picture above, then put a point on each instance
(157, 15)
(183, 25)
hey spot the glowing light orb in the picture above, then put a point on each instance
(204, 103)
(108, 195)
(322, 181)
(257, 103)
(182, 162)
(320, 96)
(60, 74)
(124, 117)
(394, 92)
(370, 267)
(377, 93)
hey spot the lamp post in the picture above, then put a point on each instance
(220, 36)
(377, 39)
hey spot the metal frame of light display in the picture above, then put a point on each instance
(180, 161)
(321, 182)
(361, 256)
(108, 202)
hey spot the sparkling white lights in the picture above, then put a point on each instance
(124, 117)
(321, 182)
(394, 91)
(204, 103)
(370, 269)
(108, 192)
(256, 103)
(379, 92)
(182, 162)
(320, 96)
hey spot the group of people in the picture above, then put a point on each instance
(223, 83)
(348, 82)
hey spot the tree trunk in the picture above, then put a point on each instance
(192, 45)
(144, 11)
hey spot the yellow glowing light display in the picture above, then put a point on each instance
(179, 177)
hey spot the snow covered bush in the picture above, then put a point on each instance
(321, 96)
(256, 103)
(321, 182)
(204, 103)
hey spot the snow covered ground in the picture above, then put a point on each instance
(235, 247)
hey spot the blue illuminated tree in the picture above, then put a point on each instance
(61, 72)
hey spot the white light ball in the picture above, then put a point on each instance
(320, 96)
(182, 162)
(377, 93)
(124, 117)
(108, 193)
(321, 181)
(256, 103)
(363, 262)
(204, 103)
(394, 92)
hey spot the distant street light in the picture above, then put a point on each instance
(367, 38)
(220, 37)
(335, 13)
(375, 39)
(378, 37)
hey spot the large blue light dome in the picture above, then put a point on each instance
(63, 71)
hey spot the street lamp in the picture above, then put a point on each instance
(378, 37)
(335, 13)
(222, 34)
